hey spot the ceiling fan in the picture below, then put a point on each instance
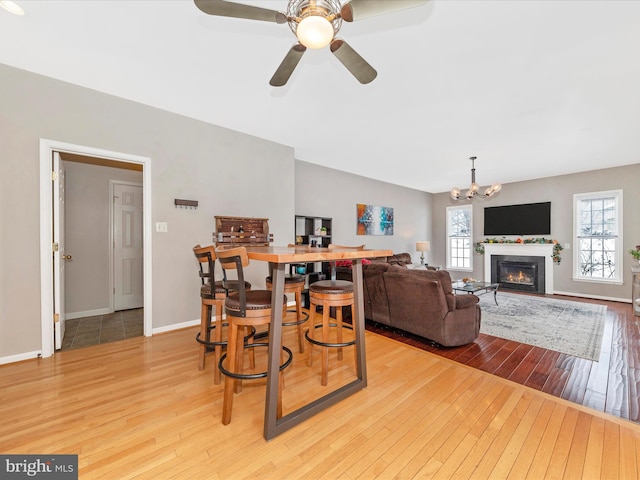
(315, 23)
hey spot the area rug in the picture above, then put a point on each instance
(574, 328)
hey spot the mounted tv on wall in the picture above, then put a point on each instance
(524, 219)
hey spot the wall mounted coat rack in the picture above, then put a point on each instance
(186, 203)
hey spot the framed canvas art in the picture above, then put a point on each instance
(374, 220)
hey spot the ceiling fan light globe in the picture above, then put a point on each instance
(315, 31)
(12, 7)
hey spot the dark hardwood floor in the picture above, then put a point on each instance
(611, 384)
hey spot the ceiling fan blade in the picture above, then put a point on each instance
(359, 9)
(357, 65)
(223, 8)
(288, 65)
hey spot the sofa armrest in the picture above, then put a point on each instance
(465, 301)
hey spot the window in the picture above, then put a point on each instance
(598, 236)
(459, 237)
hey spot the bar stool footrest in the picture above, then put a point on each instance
(305, 317)
(223, 343)
(326, 344)
(252, 376)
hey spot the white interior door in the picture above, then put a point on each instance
(59, 255)
(127, 247)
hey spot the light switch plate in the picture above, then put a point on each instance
(162, 227)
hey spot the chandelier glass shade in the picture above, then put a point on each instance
(474, 188)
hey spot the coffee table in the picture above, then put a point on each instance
(477, 287)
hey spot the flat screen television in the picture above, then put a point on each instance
(524, 219)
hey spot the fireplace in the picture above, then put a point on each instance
(521, 273)
(539, 251)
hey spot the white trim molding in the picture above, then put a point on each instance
(522, 249)
(47, 147)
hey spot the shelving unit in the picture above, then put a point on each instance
(239, 231)
(308, 231)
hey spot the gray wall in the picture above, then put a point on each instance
(559, 191)
(326, 192)
(228, 172)
(87, 209)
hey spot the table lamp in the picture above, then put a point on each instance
(422, 246)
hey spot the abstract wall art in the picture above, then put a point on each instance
(374, 220)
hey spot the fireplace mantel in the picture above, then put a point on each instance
(521, 249)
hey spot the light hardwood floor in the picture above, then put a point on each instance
(139, 408)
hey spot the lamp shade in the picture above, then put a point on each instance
(422, 246)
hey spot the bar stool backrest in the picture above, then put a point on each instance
(206, 257)
(234, 259)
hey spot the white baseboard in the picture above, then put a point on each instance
(191, 323)
(176, 326)
(595, 297)
(88, 313)
(20, 357)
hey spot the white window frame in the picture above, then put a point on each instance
(448, 239)
(616, 235)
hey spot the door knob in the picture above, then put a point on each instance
(66, 257)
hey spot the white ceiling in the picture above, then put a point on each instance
(532, 88)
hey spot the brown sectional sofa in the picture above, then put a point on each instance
(418, 301)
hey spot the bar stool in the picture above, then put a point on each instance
(329, 293)
(244, 308)
(294, 284)
(212, 295)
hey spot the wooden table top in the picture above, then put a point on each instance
(311, 254)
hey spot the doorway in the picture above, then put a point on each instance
(50, 317)
(103, 252)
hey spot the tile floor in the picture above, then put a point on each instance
(88, 331)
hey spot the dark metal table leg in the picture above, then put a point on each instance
(274, 426)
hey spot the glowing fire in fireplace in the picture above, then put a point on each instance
(519, 277)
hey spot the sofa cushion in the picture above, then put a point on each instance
(400, 259)
(440, 276)
(376, 306)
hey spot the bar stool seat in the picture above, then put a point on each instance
(329, 293)
(294, 284)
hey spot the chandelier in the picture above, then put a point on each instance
(474, 188)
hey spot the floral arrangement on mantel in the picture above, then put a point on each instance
(636, 253)
(557, 248)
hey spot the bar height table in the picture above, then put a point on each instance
(278, 258)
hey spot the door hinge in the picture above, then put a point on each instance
(54, 176)
(56, 317)
(55, 246)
